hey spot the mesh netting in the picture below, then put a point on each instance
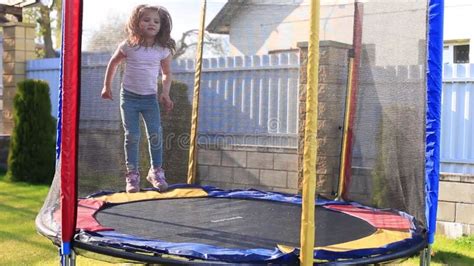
(252, 100)
(388, 151)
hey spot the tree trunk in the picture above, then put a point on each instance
(59, 21)
(45, 25)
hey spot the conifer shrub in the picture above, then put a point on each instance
(31, 156)
(176, 127)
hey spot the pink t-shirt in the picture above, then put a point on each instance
(142, 66)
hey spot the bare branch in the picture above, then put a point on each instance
(189, 40)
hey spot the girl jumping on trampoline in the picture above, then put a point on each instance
(147, 50)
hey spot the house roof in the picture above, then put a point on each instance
(221, 22)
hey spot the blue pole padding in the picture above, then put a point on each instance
(60, 97)
(433, 112)
(65, 248)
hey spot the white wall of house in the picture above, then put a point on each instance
(263, 26)
(458, 29)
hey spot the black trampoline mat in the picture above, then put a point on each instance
(229, 223)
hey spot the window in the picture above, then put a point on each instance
(447, 58)
(461, 54)
(456, 52)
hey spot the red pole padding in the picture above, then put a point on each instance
(357, 46)
(71, 67)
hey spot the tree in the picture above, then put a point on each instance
(32, 148)
(110, 34)
(49, 20)
(107, 37)
(214, 45)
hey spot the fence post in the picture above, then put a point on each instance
(18, 47)
(333, 61)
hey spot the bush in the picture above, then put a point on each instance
(176, 127)
(32, 145)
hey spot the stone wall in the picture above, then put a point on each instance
(100, 160)
(280, 169)
(238, 167)
(456, 205)
(331, 97)
(4, 145)
(18, 47)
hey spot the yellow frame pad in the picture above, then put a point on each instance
(124, 197)
(380, 238)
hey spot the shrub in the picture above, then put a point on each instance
(176, 127)
(32, 146)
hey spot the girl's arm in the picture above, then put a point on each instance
(117, 57)
(166, 81)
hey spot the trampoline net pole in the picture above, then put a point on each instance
(342, 167)
(192, 164)
(310, 150)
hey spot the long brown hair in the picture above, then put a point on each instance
(163, 38)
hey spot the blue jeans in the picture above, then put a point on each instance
(131, 107)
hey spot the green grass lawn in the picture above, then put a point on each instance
(450, 252)
(21, 245)
(19, 242)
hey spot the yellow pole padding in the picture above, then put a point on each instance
(192, 163)
(309, 154)
(342, 169)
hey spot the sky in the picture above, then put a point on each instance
(185, 13)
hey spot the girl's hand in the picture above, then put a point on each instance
(106, 93)
(167, 102)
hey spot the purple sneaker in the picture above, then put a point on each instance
(157, 179)
(132, 178)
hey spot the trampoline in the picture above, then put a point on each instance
(347, 172)
(238, 226)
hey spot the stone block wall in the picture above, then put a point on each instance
(18, 47)
(280, 169)
(456, 205)
(239, 167)
(100, 160)
(333, 63)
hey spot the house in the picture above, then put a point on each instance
(458, 37)
(265, 27)
(258, 27)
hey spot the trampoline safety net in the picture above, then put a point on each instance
(371, 123)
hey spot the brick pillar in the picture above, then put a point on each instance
(331, 96)
(18, 47)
